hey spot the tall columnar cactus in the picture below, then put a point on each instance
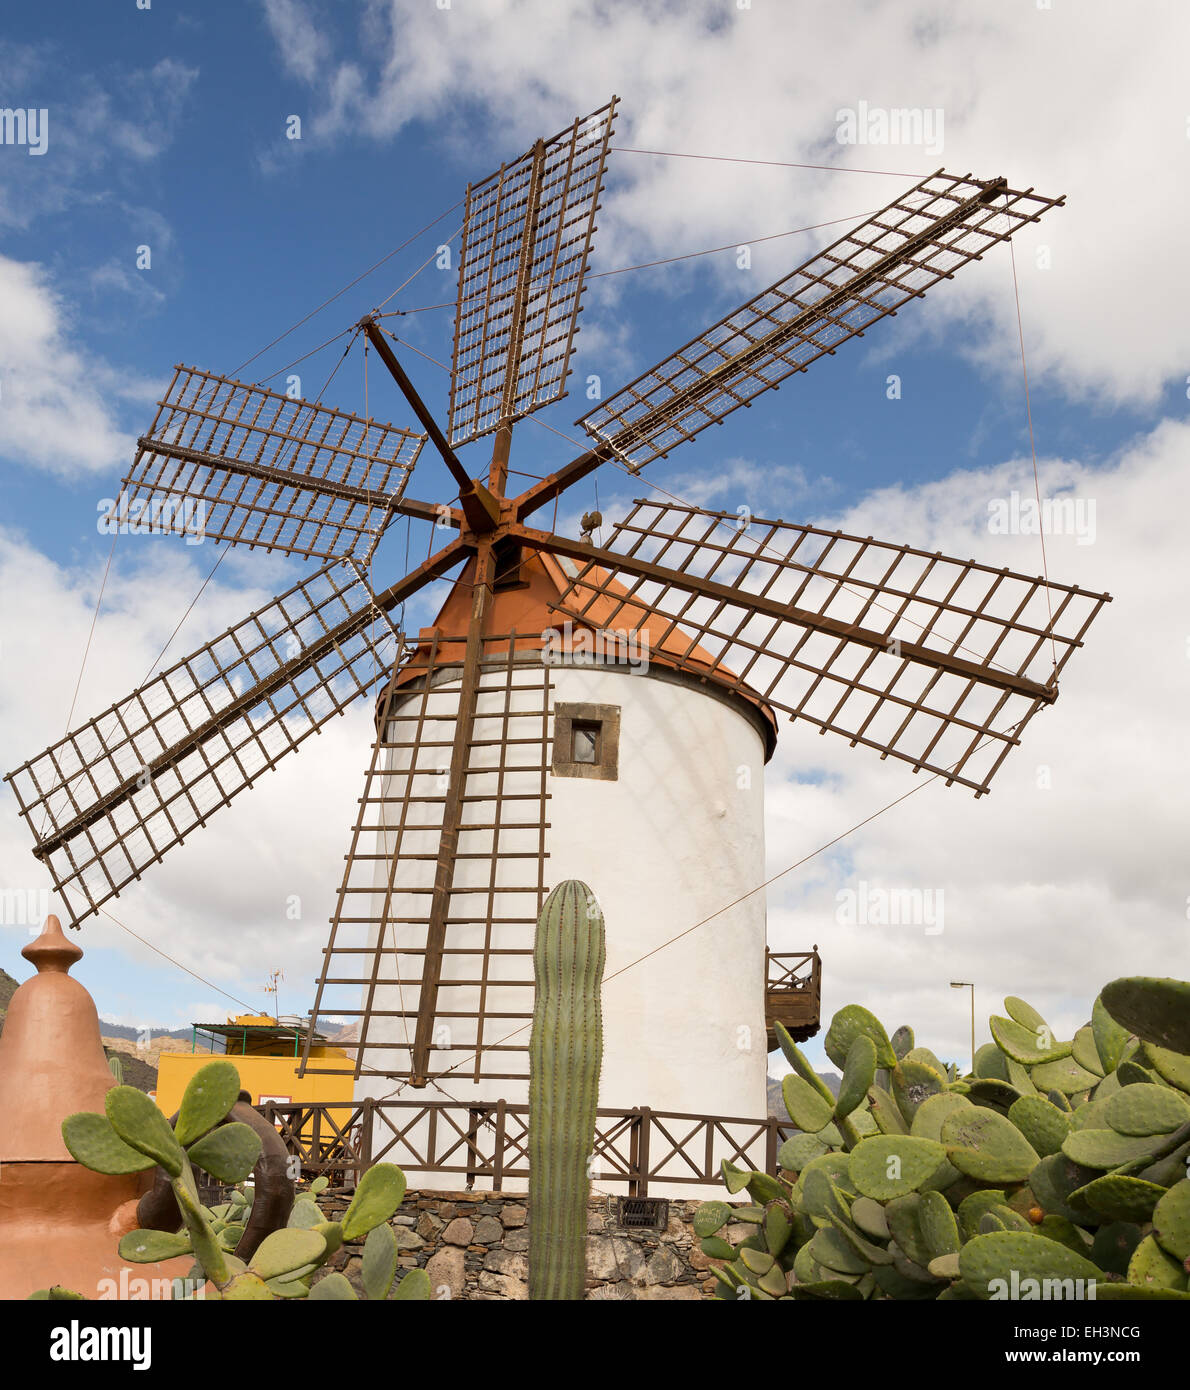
(565, 1055)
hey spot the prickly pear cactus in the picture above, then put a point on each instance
(1056, 1169)
(565, 1056)
(133, 1136)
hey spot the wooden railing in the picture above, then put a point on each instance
(488, 1143)
(793, 970)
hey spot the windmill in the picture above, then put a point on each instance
(577, 709)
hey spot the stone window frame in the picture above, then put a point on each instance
(607, 767)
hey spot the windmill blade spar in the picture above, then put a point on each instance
(267, 470)
(116, 794)
(935, 661)
(924, 236)
(426, 1008)
(526, 240)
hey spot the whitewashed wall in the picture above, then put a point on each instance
(675, 839)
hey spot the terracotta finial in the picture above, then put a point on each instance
(51, 952)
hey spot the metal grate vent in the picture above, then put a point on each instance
(643, 1213)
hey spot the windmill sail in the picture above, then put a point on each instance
(115, 795)
(895, 256)
(526, 241)
(935, 661)
(479, 989)
(267, 470)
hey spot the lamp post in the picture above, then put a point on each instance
(966, 984)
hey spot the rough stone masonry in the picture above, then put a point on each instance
(474, 1245)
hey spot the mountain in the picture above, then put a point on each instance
(8, 987)
(134, 1071)
(122, 1030)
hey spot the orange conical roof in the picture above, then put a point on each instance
(52, 1061)
(526, 608)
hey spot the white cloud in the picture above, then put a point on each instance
(111, 128)
(304, 50)
(1081, 100)
(1049, 893)
(219, 902)
(58, 410)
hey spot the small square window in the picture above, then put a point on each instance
(586, 737)
(587, 741)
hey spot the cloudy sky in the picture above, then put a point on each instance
(164, 214)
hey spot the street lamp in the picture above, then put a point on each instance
(966, 984)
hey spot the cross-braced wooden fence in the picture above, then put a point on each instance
(487, 1144)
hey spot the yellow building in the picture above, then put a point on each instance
(266, 1052)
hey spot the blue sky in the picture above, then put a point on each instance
(167, 129)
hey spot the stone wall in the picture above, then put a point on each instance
(474, 1245)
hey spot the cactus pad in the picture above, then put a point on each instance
(1104, 1148)
(807, 1108)
(379, 1193)
(286, 1250)
(1064, 1075)
(333, 1288)
(987, 1146)
(867, 1250)
(997, 1257)
(1085, 1053)
(932, 1114)
(846, 1026)
(939, 1228)
(1157, 1011)
(798, 1150)
(798, 1060)
(96, 1145)
(138, 1122)
(378, 1268)
(148, 1247)
(1151, 1267)
(892, 1165)
(837, 1254)
(859, 1072)
(973, 1208)
(1025, 1045)
(1042, 1124)
(993, 1094)
(821, 1198)
(923, 1054)
(1173, 1067)
(1024, 1014)
(914, 1082)
(228, 1153)
(1171, 1221)
(711, 1217)
(869, 1217)
(886, 1112)
(212, 1092)
(1121, 1198)
(1146, 1109)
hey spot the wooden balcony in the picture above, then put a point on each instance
(792, 993)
